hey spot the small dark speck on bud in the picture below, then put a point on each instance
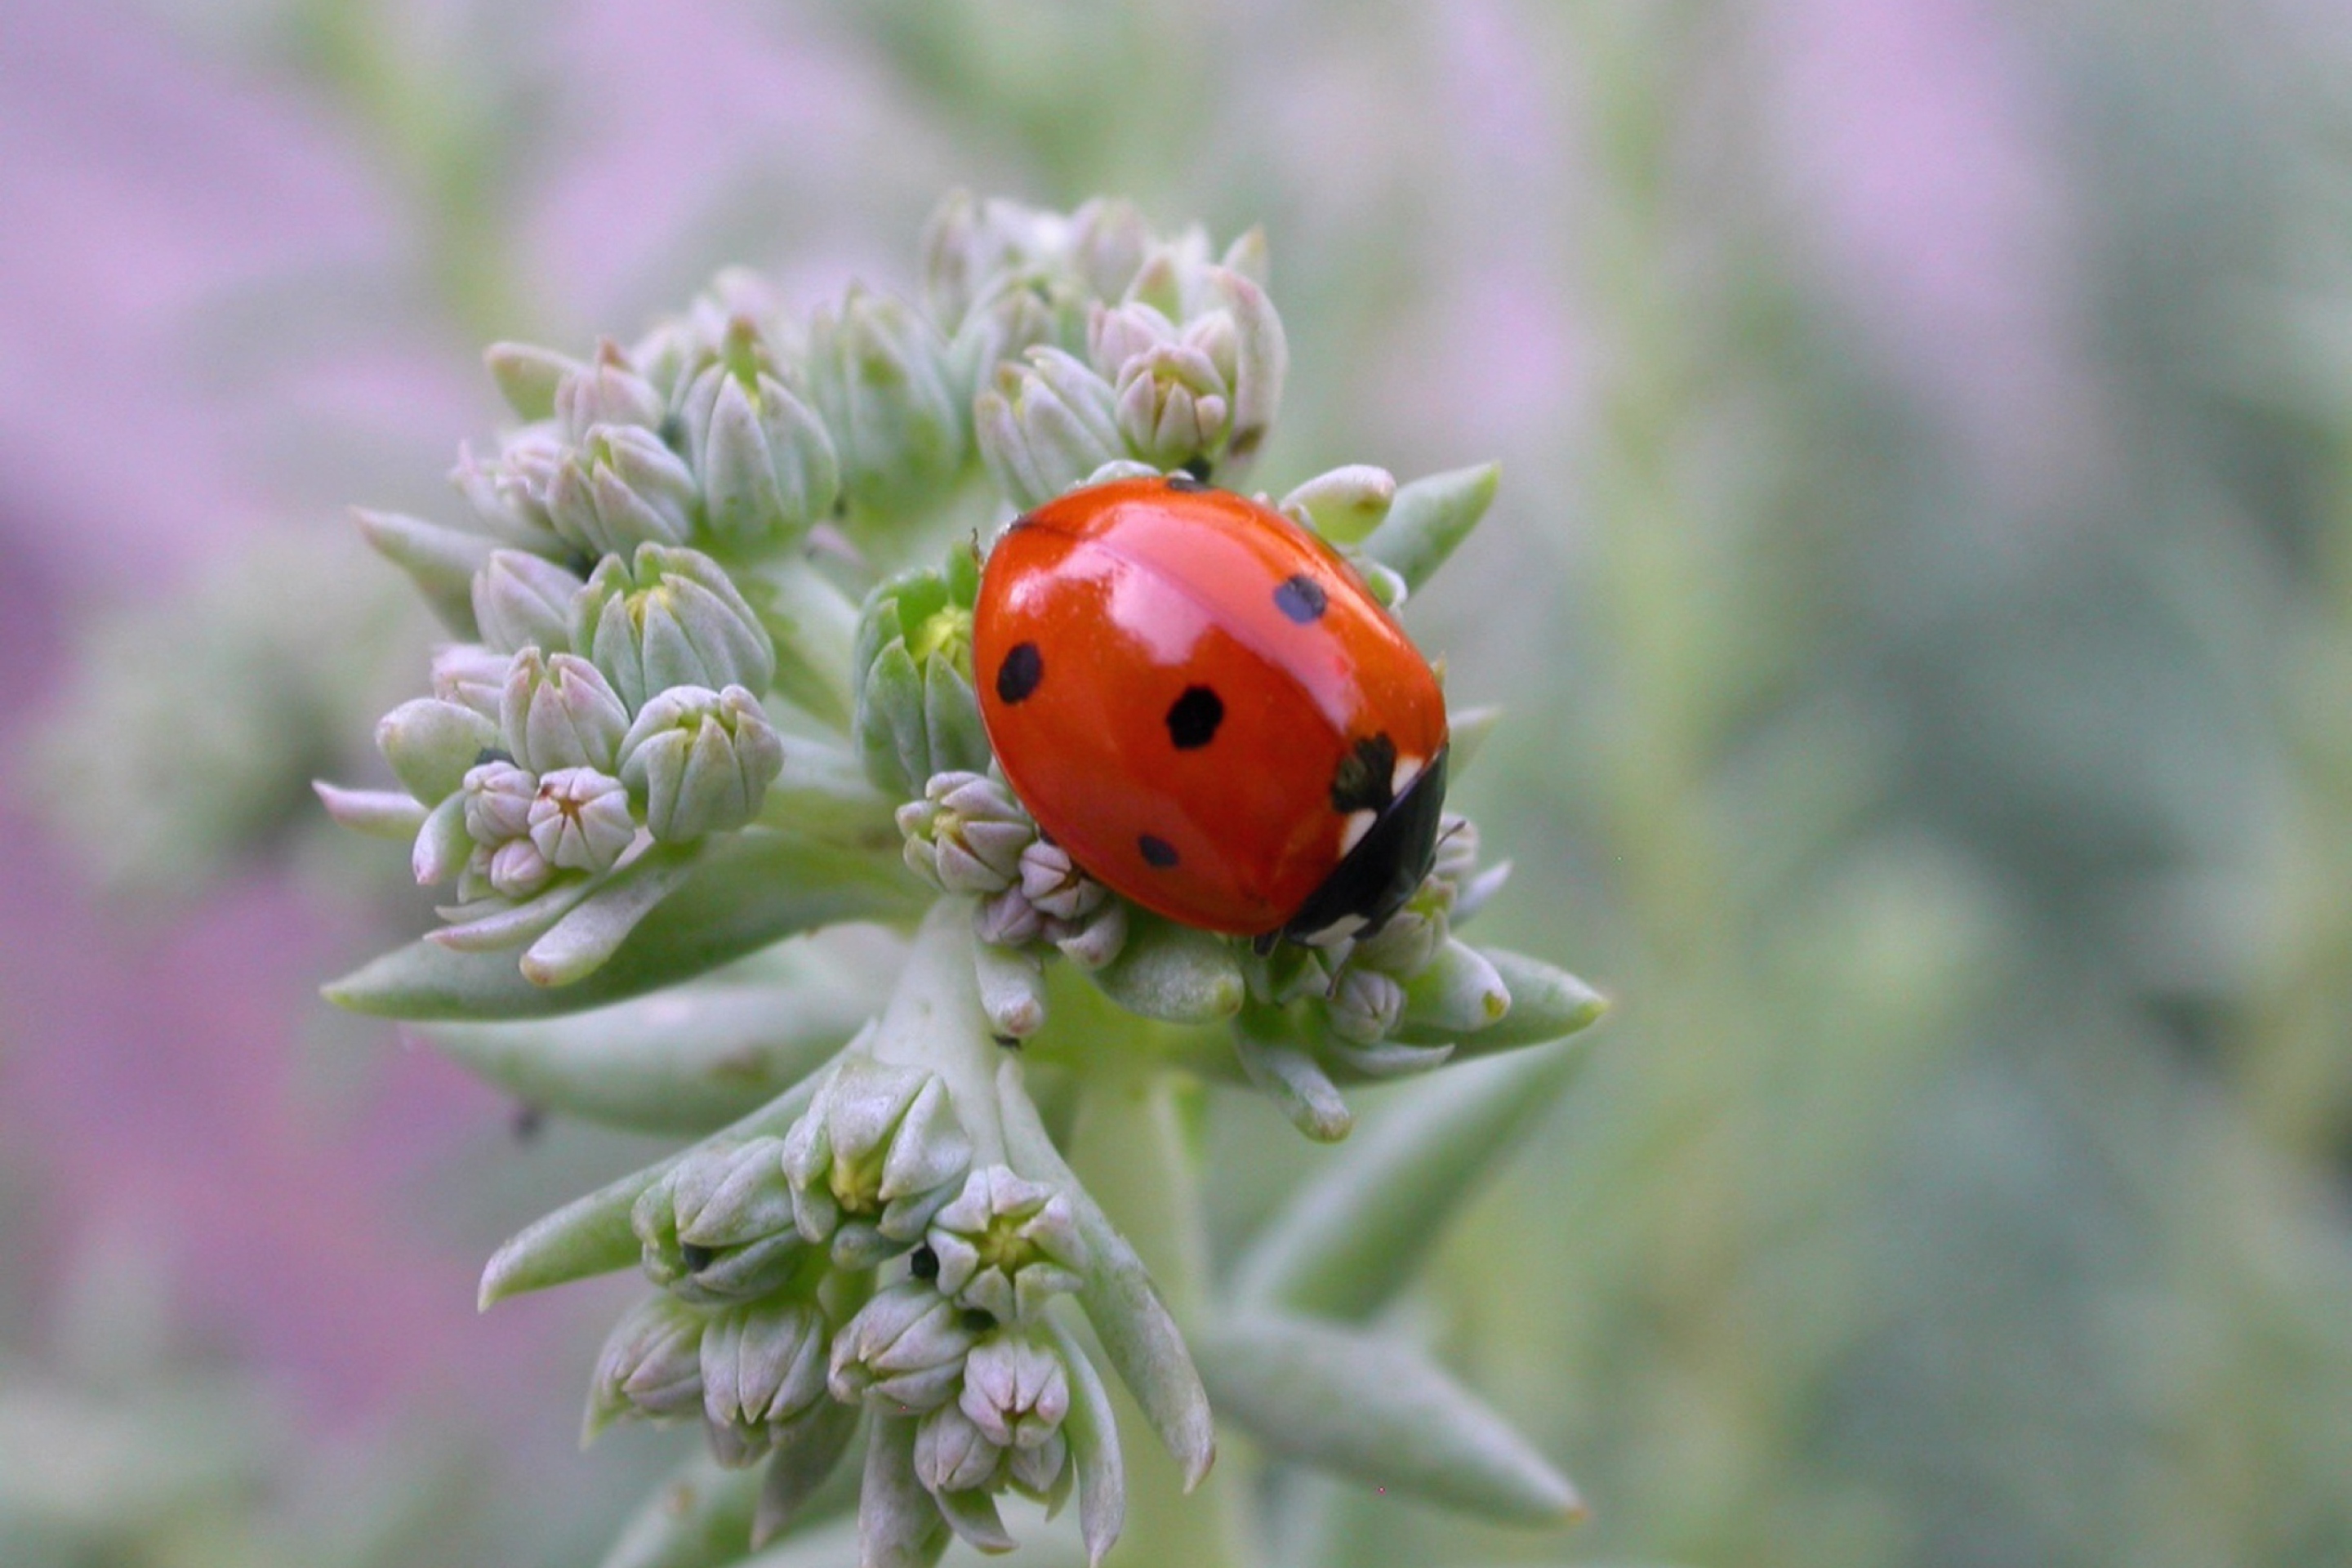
(696, 1259)
(1008, 1042)
(530, 1122)
(925, 1264)
(978, 1321)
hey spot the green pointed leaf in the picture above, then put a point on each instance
(1133, 1325)
(1377, 1411)
(592, 1236)
(1547, 1003)
(1093, 1429)
(1354, 1236)
(1174, 972)
(899, 1526)
(1281, 1067)
(685, 1059)
(527, 376)
(440, 561)
(1459, 993)
(751, 889)
(792, 1484)
(1428, 518)
(588, 935)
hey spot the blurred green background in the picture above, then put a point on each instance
(1921, 591)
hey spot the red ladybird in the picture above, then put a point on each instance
(1202, 702)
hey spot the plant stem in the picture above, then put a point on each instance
(1130, 1150)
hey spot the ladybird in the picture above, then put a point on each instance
(1202, 702)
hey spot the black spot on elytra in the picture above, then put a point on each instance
(1189, 483)
(1157, 851)
(924, 1264)
(1361, 781)
(1018, 676)
(1193, 718)
(1301, 598)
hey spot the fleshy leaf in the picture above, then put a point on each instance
(688, 1059)
(1093, 1429)
(439, 560)
(1174, 973)
(588, 934)
(750, 890)
(1280, 1067)
(899, 1526)
(1354, 1236)
(591, 1235)
(1428, 518)
(1128, 1318)
(1546, 1004)
(1458, 994)
(1376, 1410)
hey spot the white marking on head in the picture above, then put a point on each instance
(1359, 823)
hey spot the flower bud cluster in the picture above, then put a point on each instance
(783, 1313)
(1090, 341)
(1356, 988)
(969, 835)
(624, 710)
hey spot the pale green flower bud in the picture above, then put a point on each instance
(904, 1350)
(915, 713)
(878, 1154)
(1099, 937)
(559, 711)
(1345, 504)
(1006, 1245)
(700, 760)
(509, 492)
(517, 868)
(1118, 334)
(620, 489)
(527, 376)
(969, 244)
(524, 600)
(1365, 1004)
(1016, 1390)
(953, 1455)
(1008, 919)
(670, 616)
(1107, 241)
(471, 676)
(967, 834)
(609, 392)
(1023, 310)
(718, 1227)
(768, 466)
(650, 1367)
(1406, 944)
(498, 797)
(1261, 361)
(881, 381)
(1052, 881)
(431, 743)
(1172, 405)
(579, 819)
(1046, 428)
(763, 1366)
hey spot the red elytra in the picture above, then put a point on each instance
(1201, 701)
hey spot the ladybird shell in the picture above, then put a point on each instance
(1201, 701)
